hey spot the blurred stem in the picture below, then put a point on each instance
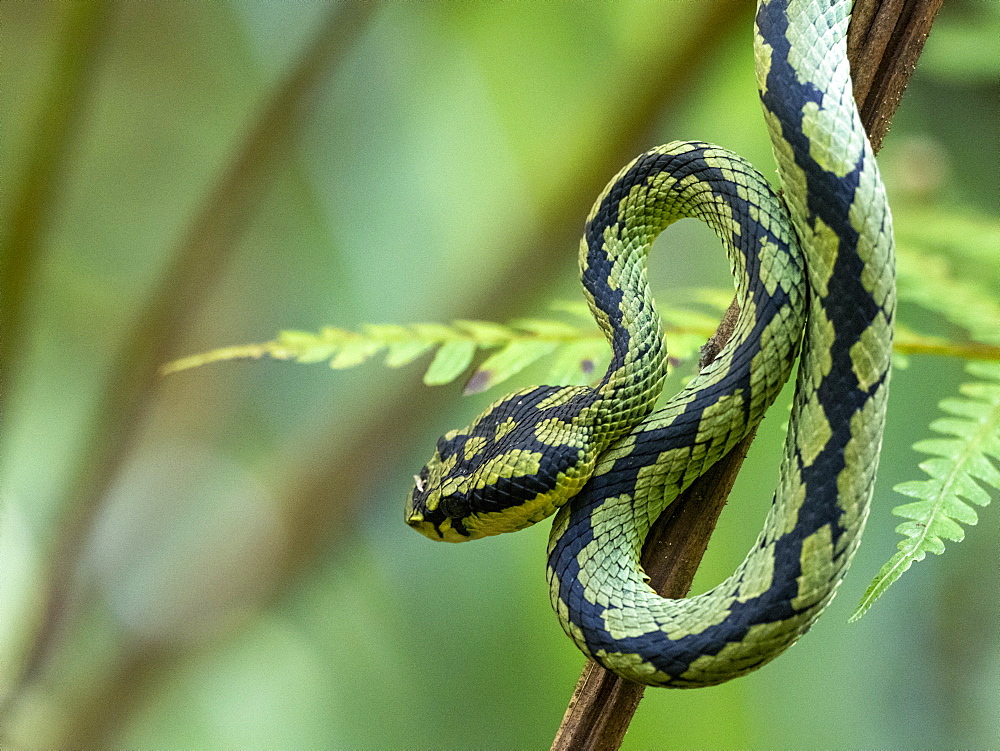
(210, 238)
(882, 36)
(36, 193)
(964, 351)
(325, 490)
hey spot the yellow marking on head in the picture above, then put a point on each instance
(444, 532)
(447, 465)
(513, 463)
(432, 499)
(534, 510)
(473, 447)
(560, 397)
(504, 428)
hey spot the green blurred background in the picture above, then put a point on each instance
(217, 559)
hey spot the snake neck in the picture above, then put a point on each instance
(642, 200)
(613, 271)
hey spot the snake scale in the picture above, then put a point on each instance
(814, 270)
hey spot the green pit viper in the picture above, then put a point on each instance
(814, 265)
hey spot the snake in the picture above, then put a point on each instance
(814, 275)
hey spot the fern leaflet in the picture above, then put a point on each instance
(956, 470)
(577, 351)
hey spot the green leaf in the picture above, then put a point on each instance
(450, 361)
(509, 361)
(304, 346)
(578, 363)
(486, 333)
(928, 280)
(405, 352)
(547, 328)
(297, 339)
(958, 470)
(434, 331)
(354, 352)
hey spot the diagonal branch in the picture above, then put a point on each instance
(884, 41)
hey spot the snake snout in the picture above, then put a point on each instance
(435, 516)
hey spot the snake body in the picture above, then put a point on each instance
(815, 265)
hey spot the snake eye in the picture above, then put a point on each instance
(420, 482)
(455, 507)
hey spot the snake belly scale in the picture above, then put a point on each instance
(814, 266)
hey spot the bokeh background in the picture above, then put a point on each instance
(216, 559)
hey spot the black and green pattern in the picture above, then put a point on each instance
(826, 264)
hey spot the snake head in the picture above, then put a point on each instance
(433, 507)
(516, 464)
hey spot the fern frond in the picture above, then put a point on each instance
(455, 346)
(927, 280)
(972, 237)
(959, 468)
(577, 351)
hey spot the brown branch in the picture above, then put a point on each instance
(884, 41)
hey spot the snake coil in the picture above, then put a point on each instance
(813, 266)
